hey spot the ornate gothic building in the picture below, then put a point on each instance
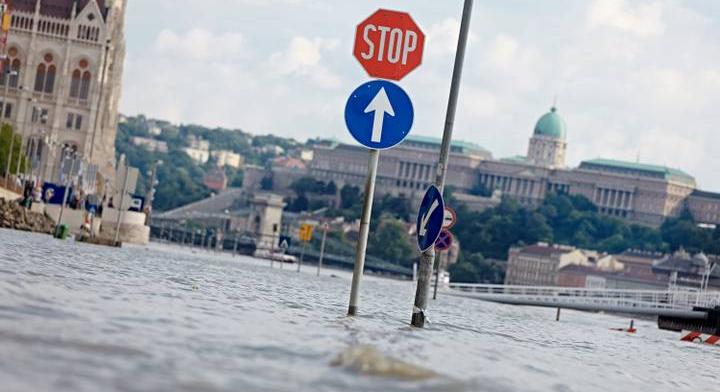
(63, 83)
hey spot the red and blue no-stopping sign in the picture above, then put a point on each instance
(444, 241)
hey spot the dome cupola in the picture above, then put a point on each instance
(551, 125)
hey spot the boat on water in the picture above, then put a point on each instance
(274, 256)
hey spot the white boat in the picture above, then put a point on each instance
(275, 256)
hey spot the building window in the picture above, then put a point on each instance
(8, 109)
(14, 67)
(78, 122)
(16, 76)
(40, 78)
(50, 80)
(85, 85)
(45, 76)
(39, 115)
(75, 84)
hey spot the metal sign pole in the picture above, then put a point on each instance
(427, 257)
(302, 254)
(65, 199)
(121, 207)
(364, 230)
(437, 274)
(322, 248)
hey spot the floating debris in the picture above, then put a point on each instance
(368, 360)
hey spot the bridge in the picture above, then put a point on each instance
(670, 303)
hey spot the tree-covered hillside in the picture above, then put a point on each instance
(568, 220)
(180, 179)
(485, 237)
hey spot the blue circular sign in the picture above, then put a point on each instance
(379, 114)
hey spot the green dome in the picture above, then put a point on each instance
(551, 124)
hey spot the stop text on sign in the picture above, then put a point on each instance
(389, 44)
(394, 44)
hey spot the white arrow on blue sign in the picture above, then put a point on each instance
(379, 114)
(430, 218)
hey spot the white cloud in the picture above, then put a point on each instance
(441, 38)
(199, 44)
(631, 76)
(712, 76)
(303, 57)
(641, 19)
(503, 51)
(509, 65)
(477, 104)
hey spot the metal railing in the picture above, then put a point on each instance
(683, 299)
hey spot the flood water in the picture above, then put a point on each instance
(76, 317)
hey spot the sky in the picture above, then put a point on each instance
(633, 79)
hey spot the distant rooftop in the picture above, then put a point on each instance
(638, 169)
(289, 163)
(457, 146)
(57, 8)
(515, 159)
(541, 249)
(709, 195)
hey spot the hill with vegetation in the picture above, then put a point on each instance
(180, 178)
(485, 237)
(567, 220)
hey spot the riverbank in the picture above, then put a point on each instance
(14, 216)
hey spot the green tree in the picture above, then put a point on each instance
(476, 269)
(396, 206)
(308, 185)
(6, 135)
(299, 204)
(480, 189)
(349, 197)
(391, 243)
(331, 188)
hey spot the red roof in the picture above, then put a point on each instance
(55, 8)
(289, 163)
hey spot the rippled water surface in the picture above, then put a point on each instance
(82, 318)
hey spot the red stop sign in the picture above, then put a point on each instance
(389, 44)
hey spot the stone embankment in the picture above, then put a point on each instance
(14, 216)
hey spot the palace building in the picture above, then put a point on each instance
(641, 193)
(63, 83)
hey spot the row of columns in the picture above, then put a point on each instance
(415, 171)
(614, 198)
(513, 186)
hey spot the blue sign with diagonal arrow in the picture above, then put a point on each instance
(379, 114)
(430, 218)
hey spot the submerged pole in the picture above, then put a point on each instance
(364, 231)
(428, 256)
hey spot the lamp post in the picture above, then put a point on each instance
(41, 118)
(8, 73)
(151, 194)
(709, 268)
(67, 188)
